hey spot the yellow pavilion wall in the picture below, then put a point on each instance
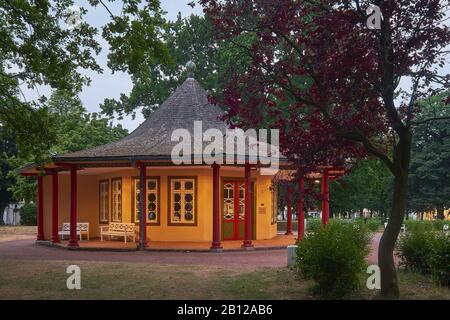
(88, 203)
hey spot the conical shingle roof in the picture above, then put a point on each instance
(152, 139)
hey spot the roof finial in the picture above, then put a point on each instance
(190, 67)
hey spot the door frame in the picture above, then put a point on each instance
(226, 179)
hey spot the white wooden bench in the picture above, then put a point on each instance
(82, 228)
(118, 229)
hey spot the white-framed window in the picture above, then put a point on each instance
(116, 200)
(103, 192)
(182, 201)
(152, 199)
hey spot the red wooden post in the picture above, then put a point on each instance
(289, 212)
(143, 206)
(325, 198)
(55, 237)
(300, 209)
(215, 245)
(73, 242)
(40, 213)
(248, 208)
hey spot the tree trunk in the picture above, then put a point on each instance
(440, 213)
(401, 159)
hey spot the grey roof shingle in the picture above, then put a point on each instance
(152, 139)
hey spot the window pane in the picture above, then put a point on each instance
(182, 200)
(151, 185)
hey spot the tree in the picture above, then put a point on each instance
(37, 49)
(366, 186)
(331, 84)
(429, 187)
(190, 38)
(75, 129)
(7, 149)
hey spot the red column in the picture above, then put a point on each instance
(215, 245)
(289, 211)
(300, 210)
(73, 242)
(40, 213)
(143, 206)
(248, 208)
(55, 237)
(325, 198)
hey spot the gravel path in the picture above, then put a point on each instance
(26, 249)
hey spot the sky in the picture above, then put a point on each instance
(108, 85)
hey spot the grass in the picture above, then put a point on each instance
(23, 279)
(102, 280)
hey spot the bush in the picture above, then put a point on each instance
(334, 257)
(28, 214)
(437, 225)
(313, 224)
(426, 251)
(372, 224)
(413, 249)
(439, 258)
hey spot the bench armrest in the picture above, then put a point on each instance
(102, 228)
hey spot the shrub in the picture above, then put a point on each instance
(439, 258)
(28, 214)
(313, 224)
(437, 225)
(418, 225)
(413, 249)
(373, 224)
(334, 257)
(426, 251)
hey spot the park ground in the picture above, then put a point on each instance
(28, 271)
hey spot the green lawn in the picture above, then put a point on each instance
(22, 279)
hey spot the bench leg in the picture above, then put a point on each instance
(101, 236)
(125, 237)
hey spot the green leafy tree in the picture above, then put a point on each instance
(429, 187)
(7, 149)
(367, 186)
(75, 129)
(38, 48)
(187, 39)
